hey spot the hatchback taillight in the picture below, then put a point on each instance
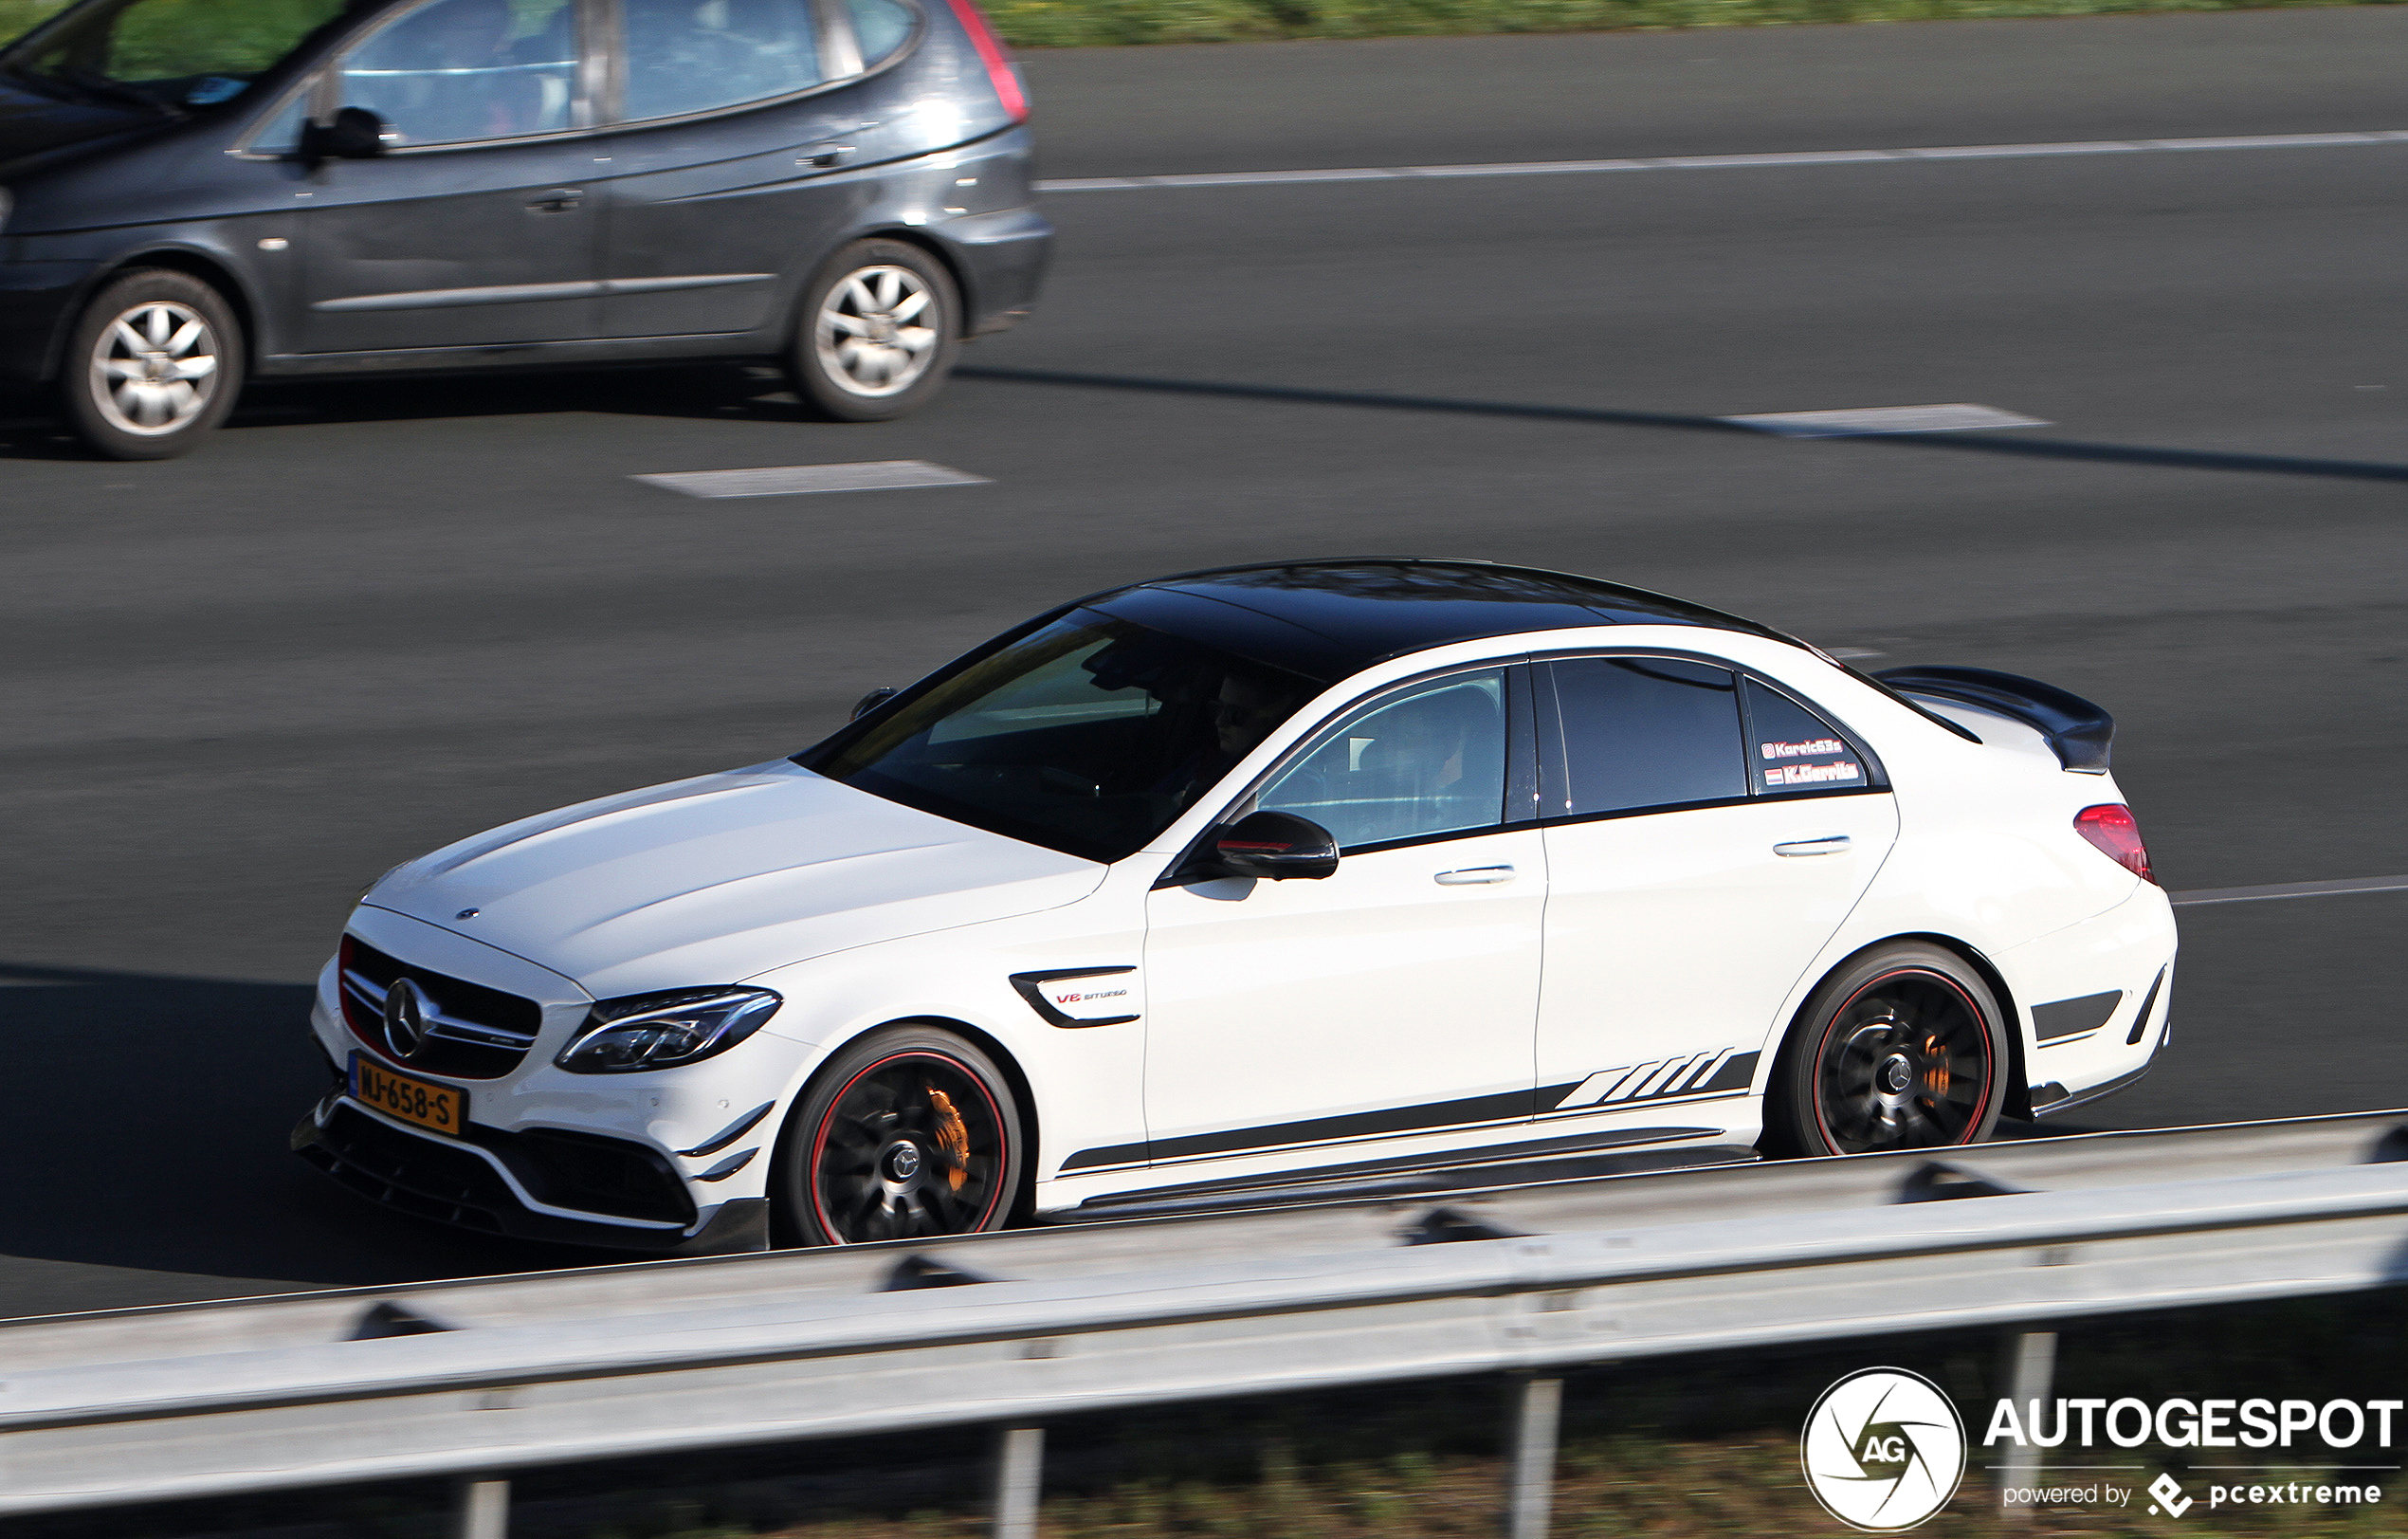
(1000, 69)
(2111, 827)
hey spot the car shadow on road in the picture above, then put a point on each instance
(30, 428)
(1978, 443)
(147, 1131)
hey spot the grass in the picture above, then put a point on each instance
(1055, 23)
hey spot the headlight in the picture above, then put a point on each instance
(660, 1031)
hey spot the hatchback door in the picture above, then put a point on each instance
(477, 226)
(1707, 834)
(730, 188)
(1390, 1000)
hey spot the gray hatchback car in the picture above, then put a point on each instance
(197, 192)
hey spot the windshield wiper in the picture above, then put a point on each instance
(100, 86)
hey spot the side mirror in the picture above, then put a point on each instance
(356, 134)
(872, 700)
(1278, 846)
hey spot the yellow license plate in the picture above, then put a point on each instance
(442, 1108)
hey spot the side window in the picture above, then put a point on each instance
(880, 26)
(1643, 732)
(282, 133)
(1426, 761)
(693, 55)
(469, 69)
(1791, 749)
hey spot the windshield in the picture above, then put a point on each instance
(165, 56)
(1089, 736)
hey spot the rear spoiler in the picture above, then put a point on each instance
(2079, 732)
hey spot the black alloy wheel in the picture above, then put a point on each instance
(155, 363)
(908, 1133)
(1904, 1048)
(876, 333)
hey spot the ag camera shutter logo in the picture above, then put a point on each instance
(1883, 1449)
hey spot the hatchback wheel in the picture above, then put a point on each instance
(877, 334)
(155, 363)
(908, 1133)
(1904, 1048)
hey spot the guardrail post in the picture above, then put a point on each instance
(483, 1511)
(1019, 1479)
(1530, 1499)
(2031, 1362)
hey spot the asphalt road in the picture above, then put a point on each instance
(370, 619)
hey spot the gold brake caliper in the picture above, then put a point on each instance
(1936, 1077)
(953, 1136)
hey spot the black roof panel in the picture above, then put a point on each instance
(1328, 620)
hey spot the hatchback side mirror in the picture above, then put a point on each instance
(1278, 846)
(356, 134)
(872, 700)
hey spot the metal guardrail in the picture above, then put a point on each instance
(476, 1379)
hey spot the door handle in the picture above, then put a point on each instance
(1827, 844)
(825, 156)
(559, 200)
(1474, 875)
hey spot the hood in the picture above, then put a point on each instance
(32, 123)
(718, 879)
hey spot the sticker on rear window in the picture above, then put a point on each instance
(1815, 749)
(1812, 774)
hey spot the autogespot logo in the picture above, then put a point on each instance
(1883, 1449)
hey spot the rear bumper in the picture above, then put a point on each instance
(1002, 257)
(516, 1184)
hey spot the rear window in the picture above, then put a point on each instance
(1640, 732)
(880, 26)
(1791, 749)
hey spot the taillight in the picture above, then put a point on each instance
(2111, 827)
(1000, 70)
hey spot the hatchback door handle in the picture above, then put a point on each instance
(1829, 844)
(1472, 875)
(559, 200)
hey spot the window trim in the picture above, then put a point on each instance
(1521, 767)
(1553, 756)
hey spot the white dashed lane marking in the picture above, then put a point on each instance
(2290, 889)
(1724, 163)
(786, 480)
(1863, 421)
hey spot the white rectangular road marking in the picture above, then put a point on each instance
(2290, 889)
(783, 480)
(1726, 162)
(1959, 417)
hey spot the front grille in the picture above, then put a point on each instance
(438, 1178)
(474, 1031)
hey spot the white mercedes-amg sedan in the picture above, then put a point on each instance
(1296, 878)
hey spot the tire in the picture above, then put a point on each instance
(851, 359)
(909, 1132)
(154, 364)
(1903, 1048)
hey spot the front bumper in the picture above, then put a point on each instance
(37, 301)
(565, 1189)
